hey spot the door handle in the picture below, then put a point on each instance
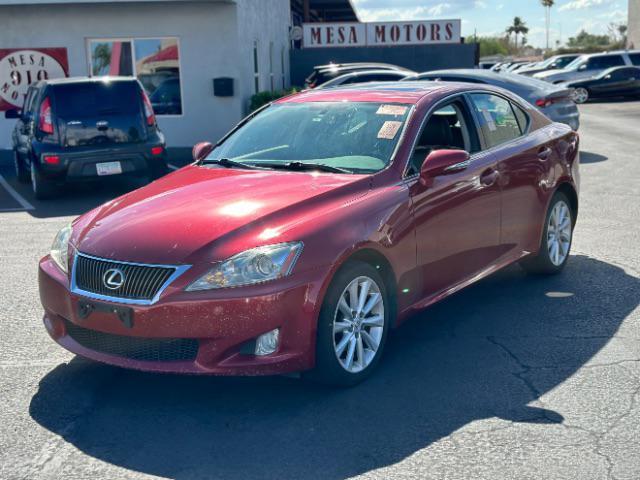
(544, 153)
(489, 177)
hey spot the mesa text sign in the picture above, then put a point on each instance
(318, 35)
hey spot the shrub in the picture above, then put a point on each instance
(262, 98)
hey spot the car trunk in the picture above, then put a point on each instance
(99, 114)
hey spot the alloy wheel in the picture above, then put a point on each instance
(580, 95)
(358, 324)
(559, 233)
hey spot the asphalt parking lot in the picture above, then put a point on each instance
(516, 377)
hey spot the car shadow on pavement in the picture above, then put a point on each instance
(590, 157)
(487, 352)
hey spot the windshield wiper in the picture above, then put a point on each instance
(228, 163)
(309, 166)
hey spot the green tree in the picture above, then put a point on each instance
(547, 4)
(584, 40)
(492, 46)
(516, 28)
(101, 58)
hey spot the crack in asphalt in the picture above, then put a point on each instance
(597, 437)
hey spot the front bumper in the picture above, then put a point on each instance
(220, 324)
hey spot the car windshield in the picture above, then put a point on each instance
(358, 137)
(576, 63)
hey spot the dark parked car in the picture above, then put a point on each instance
(323, 73)
(316, 226)
(614, 82)
(365, 76)
(85, 128)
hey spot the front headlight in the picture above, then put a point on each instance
(60, 248)
(250, 267)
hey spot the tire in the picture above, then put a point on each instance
(580, 95)
(43, 188)
(551, 260)
(334, 344)
(22, 172)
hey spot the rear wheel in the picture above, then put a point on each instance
(353, 324)
(580, 95)
(43, 188)
(556, 239)
(21, 170)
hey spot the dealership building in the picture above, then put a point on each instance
(200, 61)
(633, 26)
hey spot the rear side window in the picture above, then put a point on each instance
(498, 121)
(607, 61)
(96, 98)
(635, 58)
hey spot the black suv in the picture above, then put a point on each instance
(85, 128)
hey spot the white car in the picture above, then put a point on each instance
(591, 65)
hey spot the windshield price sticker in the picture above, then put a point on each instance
(389, 130)
(391, 110)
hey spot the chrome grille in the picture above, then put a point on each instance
(141, 282)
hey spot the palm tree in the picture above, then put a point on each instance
(547, 4)
(517, 28)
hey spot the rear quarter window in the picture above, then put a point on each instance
(635, 58)
(498, 122)
(96, 98)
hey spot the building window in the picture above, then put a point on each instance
(154, 61)
(256, 71)
(283, 51)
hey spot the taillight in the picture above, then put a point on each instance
(51, 159)
(543, 102)
(148, 110)
(44, 119)
(157, 150)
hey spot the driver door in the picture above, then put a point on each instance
(457, 217)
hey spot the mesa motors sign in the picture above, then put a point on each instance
(19, 68)
(322, 35)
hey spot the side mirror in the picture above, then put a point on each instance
(443, 162)
(201, 150)
(607, 77)
(12, 113)
(582, 68)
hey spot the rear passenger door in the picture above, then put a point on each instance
(522, 163)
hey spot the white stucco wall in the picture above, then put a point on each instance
(634, 24)
(216, 40)
(264, 21)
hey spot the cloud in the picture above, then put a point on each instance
(401, 14)
(582, 4)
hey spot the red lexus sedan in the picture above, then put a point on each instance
(314, 227)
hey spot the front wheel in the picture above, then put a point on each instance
(556, 239)
(353, 325)
(580, 95)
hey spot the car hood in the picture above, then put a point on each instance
(171, 220)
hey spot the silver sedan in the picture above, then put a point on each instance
(552, 100)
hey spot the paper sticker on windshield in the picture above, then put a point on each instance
(391, 110)
(490, 123)
(389, 130)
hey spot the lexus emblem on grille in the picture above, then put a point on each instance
(113, 278)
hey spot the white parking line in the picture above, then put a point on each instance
(16, 196)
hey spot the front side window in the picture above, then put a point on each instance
(154, 62)
(497, 120)
(359, 137)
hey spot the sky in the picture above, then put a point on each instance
(491, 18)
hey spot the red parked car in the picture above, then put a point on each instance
(318, 224)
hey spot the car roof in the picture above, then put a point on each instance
(76, 80)
(377, 71)
(380, 92)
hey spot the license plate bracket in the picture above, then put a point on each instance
(124, 314)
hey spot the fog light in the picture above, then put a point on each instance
(267, 343)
